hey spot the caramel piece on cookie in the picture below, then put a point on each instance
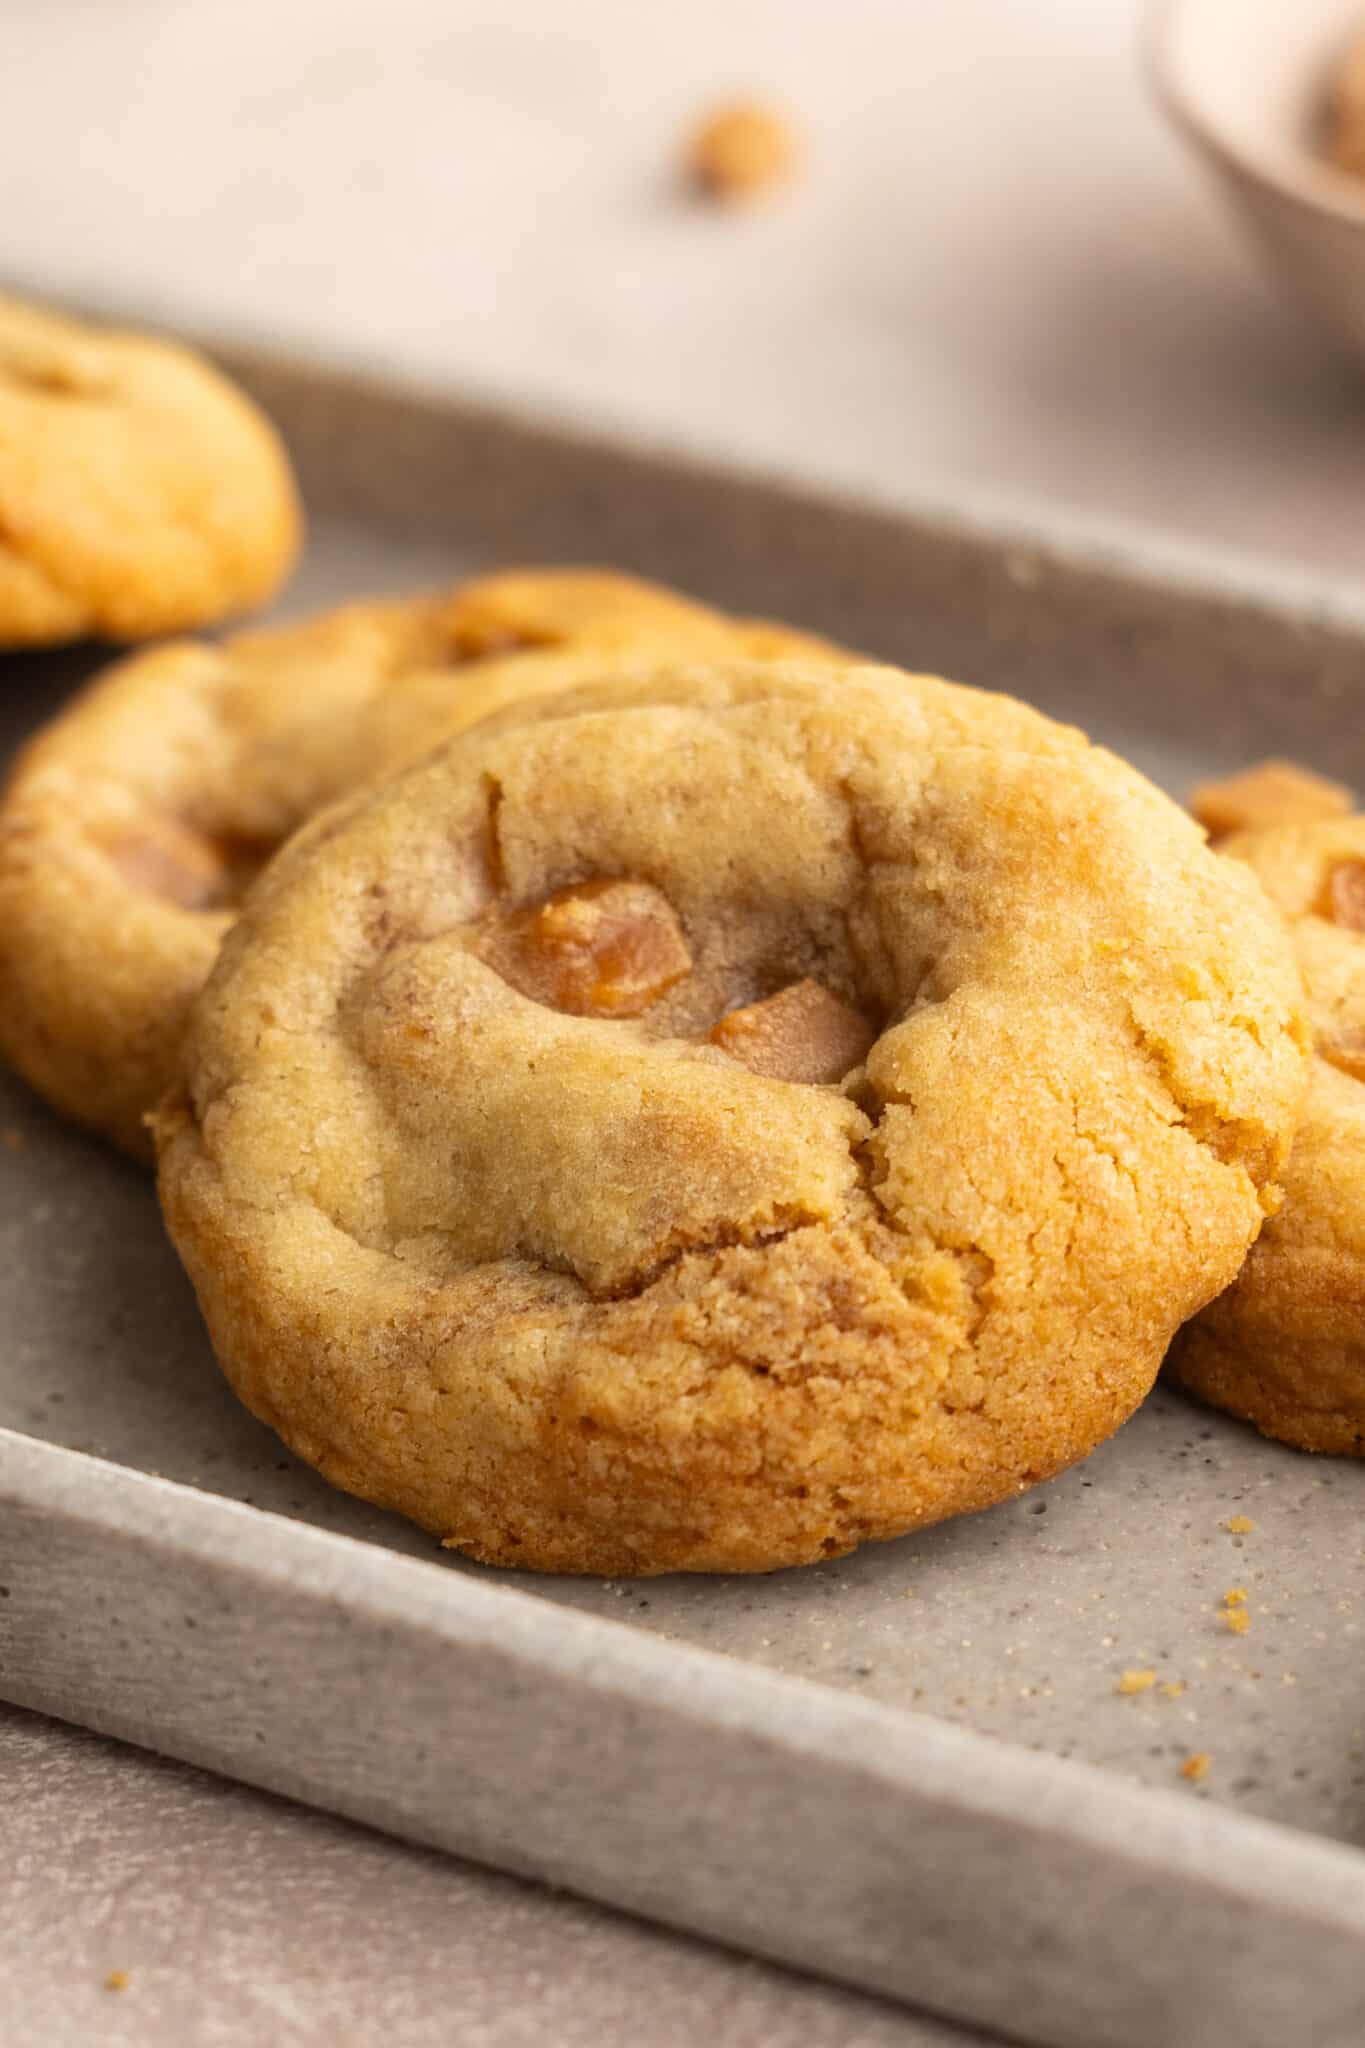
(605, 948)
(1346, 1052)
(1271, 793)
(166, 859)
(1342, 900)
(801, 1034)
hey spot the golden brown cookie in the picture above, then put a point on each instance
(132, 824)
(140, 491)
(1270, 793)
(707, 1123)
(1285, 1346)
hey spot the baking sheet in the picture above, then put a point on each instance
(1018, 1623)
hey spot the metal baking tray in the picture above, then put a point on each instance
(911, 1769)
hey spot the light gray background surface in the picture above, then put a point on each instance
(999, 269)
(998, 273)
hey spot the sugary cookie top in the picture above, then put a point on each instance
(693, 962)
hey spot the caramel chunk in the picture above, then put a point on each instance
(607, 948)
(741, 151)
(1343, 895)
(477, 637)
(1345, 1050)
(801, 1034)
(1271, 793)
(1344, 141)
(167, 859)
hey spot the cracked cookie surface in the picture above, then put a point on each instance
(496, 1222)
(140, 491)
(1284, 1347)
(132, 824)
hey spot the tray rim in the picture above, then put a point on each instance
(1237, 1900)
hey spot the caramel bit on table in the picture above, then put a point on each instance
(1135, 1681)
(801, 1034)
(1196, 1767)
(1271, 793)
(117, 1980)
(1344, 139)
(606, 948)
(1342, 898)
(1239, 1525)
(739, 152)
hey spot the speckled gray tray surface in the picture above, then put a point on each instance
(1018, 1623)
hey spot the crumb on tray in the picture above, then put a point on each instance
(1235, 1611)
(1136, 1681)
(1239, 1525)
(117, 1980)
(1196, 1767)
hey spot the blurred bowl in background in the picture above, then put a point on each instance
(1248, 83)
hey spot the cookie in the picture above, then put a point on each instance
(133, 823)
(140, 491)
(1284, 1347)
(710, 1122)
(1270, 793)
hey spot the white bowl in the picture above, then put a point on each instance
(1246, 81)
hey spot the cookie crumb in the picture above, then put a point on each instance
(1136, 1681)
(740, 151)
(1236, 1596)
(1172, 1688)
(117, 1980)
(1239, 1525)
(1196, 1767)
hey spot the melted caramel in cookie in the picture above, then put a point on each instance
(801, 1034)
(166, 860)
(171, 860)
(605, 948)
(1343, 895)
(1345, 1050)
